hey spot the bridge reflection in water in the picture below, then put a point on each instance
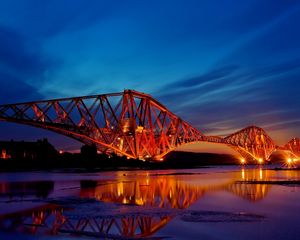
(144, 205)
(252, 192)
(162, 192)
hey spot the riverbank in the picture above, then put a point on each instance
(175, 160)
(81, 163)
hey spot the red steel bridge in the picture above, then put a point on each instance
(133, 124)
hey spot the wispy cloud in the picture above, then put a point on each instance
(211, 77)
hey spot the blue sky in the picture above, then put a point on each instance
(220, 65)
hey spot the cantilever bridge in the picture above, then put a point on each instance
(133, 124)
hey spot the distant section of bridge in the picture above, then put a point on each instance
(133, 124)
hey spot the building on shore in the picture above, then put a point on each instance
(41, 149)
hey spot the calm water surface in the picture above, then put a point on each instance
(207, 203)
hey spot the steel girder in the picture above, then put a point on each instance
(132, 124)
(252, 142)
(293, 146)
(129, 123)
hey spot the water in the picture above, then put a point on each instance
(208, 203)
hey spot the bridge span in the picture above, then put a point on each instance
(133, 124)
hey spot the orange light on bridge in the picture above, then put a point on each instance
(290, 162)
(260, 161)
(243, 161)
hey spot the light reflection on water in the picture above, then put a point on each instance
(143, 202)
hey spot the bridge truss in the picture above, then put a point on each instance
(131, 124)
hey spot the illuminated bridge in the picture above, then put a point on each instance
(133, 124)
